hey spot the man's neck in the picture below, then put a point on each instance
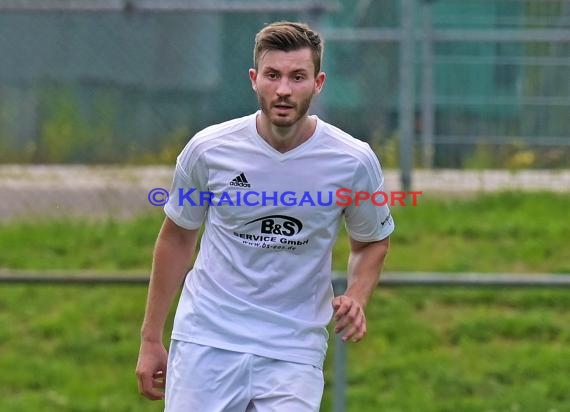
(284, 139)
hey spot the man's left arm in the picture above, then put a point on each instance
(364, 267)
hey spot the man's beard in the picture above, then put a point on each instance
(299, 110)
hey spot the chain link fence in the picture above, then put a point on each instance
(473, 84)
(501, 84)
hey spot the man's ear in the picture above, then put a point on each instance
(320, 82)
(253, 78)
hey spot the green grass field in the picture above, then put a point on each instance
(74, 348)
(508, 232)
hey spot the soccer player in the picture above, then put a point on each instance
(250, 327)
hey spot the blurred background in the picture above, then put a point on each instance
(128, 82)
(467, 101)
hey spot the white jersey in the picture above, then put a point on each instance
(261, 283)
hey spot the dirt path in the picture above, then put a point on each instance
(121, 192)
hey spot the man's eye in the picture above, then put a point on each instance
(272, 75)
(299, 77)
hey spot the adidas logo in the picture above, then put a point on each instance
(240, 181)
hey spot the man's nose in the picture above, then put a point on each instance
(283, 89)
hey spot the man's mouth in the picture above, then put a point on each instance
(283, 106)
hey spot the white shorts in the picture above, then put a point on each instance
(205, 379)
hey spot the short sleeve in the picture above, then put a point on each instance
(369, 221)
(185, 206)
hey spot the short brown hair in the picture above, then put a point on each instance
(288, 36)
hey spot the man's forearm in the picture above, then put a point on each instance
(172, 255)
(365, 264)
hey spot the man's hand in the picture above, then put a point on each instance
(173, 251)
(349, 317)
(151, 370)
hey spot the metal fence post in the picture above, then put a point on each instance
(427, 80)
(407, 86)
(339, 380)
(314, 17)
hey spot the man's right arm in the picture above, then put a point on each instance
(173, 253)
